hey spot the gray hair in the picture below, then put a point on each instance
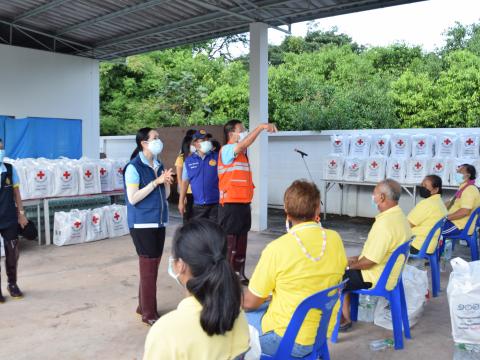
(391, 189)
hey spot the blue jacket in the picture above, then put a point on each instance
(203, 177)
(153, 210)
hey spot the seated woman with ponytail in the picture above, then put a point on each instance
(208, 323)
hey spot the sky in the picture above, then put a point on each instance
(421, 23)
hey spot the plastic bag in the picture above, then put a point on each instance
(255, 351)
(107, 175)
(333, 167)
(401, 146)
(116, 220)
(69, 227)
(380, 145)
(360, 146)
(339, 144)
(463, 293)
(65, 178)
(118, 166)
(422, 145)
(39, 176)
(354, 169)
(441, 168)
(417, 169)
(97, 227)
(446, 145)
(468, 146)
(415, 283)
(375, 169)
(89, 177)
(396, 169)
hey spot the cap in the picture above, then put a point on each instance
(200, 134)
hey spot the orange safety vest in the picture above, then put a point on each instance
(235, 180)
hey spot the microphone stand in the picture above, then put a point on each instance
(308, 170)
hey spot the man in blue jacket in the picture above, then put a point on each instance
(200, 171)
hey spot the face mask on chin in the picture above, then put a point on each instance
(171, 272)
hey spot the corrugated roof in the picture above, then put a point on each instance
(108, 29)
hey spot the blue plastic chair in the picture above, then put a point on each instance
(434, 257)
(396, 298)
(472, 240)
(321, 301)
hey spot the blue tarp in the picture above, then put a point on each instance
(42, 137)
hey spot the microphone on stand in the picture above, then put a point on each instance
(301, 152)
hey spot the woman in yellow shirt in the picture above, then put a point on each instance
(427, 213)
(466, 200)
(306, 260)
(208, 323)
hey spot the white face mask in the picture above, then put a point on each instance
(155, 146)
(192, 149)
(171, 272)
(206, 147)
(242, 135)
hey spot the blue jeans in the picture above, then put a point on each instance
(269, 342)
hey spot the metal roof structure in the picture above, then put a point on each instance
(108, 29)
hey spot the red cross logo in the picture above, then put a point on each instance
(418, 166)
(354, 166)
(439, 166)
(396, 166)
(88, 174)
(95, 219)
(447, 141)
(40, 175)
(469, 142)
(103, 171)
(120, 171)
(77, 224)
(333, 163)
(338, 142)
(421, 143)
(116, 216)
(381, 143)
(66, 175)
(400, 142)
(360, 141)
(374, 164)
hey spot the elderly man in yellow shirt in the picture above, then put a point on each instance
(427, 213)
(389, 231)
(300, 263)
(466, 200)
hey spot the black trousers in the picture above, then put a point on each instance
(355, 281)
(187, 215)
(235, 218)
(209, 212)
(149, 242)
(12, 252)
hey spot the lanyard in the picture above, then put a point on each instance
(305, 251)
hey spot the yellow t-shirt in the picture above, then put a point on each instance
(470, 199)
(424, 216)
(178, 335)
(290, 276)
(179, 163)
(389, 231)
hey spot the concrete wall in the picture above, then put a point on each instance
(285, 165)
(44, 84)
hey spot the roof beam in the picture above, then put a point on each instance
(38, 10)
(110, 16)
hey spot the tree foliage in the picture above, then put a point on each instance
(321, 81)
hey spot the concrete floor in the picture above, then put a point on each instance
(80, 303)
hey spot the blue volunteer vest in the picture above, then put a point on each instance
(153, 210)
(203, 177)
(8, 209)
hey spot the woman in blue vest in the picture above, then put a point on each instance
(11, 215)
(147, 187)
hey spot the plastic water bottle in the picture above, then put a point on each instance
(381, 344)
(466, 351)
(366, 308)
(446, 256)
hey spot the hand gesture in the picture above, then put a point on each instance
(166, 177)
(270, 127)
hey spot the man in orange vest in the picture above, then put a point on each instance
(236, 190)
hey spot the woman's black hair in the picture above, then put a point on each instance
(190, 132)
(185, 148)
(230, 127)
(216, 145)
(436, 182)
(470, 170)
(142, 135)
(202, 245)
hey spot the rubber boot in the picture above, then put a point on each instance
(240, 258)
(148, 289)
(231, 249)
(12, 254)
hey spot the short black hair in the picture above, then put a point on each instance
(470, 170)
(436, 182)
